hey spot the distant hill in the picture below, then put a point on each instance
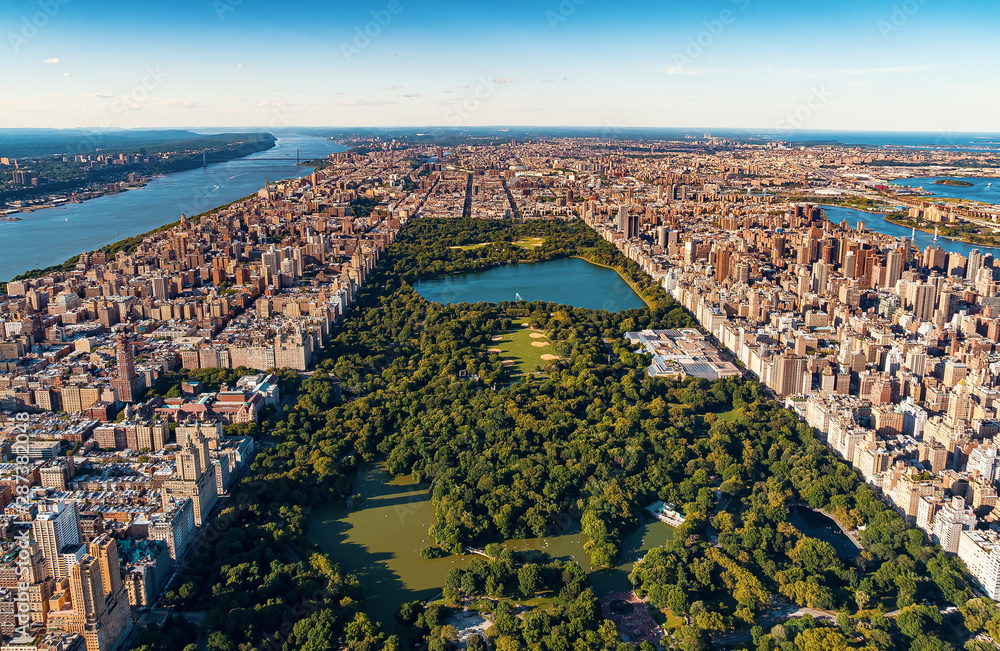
(17, 143)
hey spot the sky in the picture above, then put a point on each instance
(874, 65)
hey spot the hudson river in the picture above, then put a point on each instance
(52, 235)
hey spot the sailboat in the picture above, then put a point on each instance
(935, 233)
(517, 297)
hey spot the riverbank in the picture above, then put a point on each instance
(68, 189)
(991, 240)
(46, 237)
(128, 244)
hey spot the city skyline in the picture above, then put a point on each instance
(901, 66)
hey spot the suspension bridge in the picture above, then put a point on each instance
(207, 159)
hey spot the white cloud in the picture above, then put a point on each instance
(409, 95)
(503, 80)
(100, 96)
(52, 61)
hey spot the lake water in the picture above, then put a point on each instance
(380, 542)
(986, 190)
(877, 222)
(567, 281)
(816, 525)
(52, 235)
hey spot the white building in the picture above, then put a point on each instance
(950, 522)
(980, 551)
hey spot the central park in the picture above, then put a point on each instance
(440, 472)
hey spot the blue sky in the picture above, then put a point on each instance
(921, 65)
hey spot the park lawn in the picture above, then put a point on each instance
(666, 619)
(516, 346)
(530, 242)
(470, 247)
(729, 416)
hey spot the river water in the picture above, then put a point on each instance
(52, 235)
(986, 190)
(877, 222)
(380, 540)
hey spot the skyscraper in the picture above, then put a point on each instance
(54, 530)
(125, 383)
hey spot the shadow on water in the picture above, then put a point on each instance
(816, 525)
(380, 539)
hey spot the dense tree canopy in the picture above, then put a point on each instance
(587, 443)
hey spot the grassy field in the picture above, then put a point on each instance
(729, 416)
(516, 348)
(530, 242)
(469, 247)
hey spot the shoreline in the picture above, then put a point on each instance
(71, 261)
(885, 216)
(69, 200)
(61, 268)
(620, 275)
(947, 237)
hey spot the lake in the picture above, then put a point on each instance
(380, 542)
(567, 281)
(52, 235)
(876, 222)
(986, 190)
(816, 525)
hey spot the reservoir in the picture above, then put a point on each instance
(876, 222)
(380, 540)
(816, 525)
(567, 281)
(52, 235)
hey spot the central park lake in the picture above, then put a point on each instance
(567, 281)
(379, 541)
(816, 525)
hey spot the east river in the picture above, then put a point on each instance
(52, 235)
(877, 222)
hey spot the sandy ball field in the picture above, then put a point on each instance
(497, 337)
(494, 350)
(536, 335)
(539, 344)
(548, 358)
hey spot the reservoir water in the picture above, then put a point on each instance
(877, 222)
(380, 541)
(567, 281)
(52, 235)
(816, 525)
